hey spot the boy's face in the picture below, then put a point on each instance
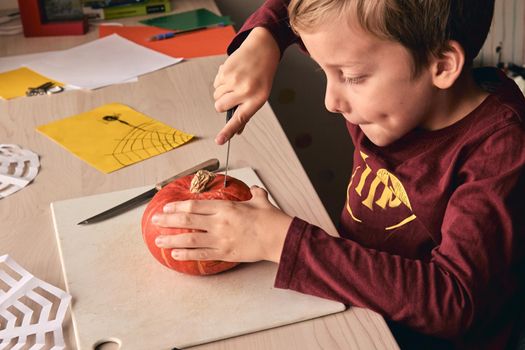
(370, 81)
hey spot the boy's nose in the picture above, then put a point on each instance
(332, 98)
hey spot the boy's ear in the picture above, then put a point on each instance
(447, 68)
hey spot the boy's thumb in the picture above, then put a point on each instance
(258, 192)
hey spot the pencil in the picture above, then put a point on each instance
(169, 35)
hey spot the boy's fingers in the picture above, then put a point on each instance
(236, 124)
(219, 77)
(228, 100)
(258, 192)
(245, 110)
(184, 240)
(260, 196)
(196, 254)
(183, 220)
(220, 91)
(217, 81)
(192, 206)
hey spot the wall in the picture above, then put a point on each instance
(8, 4)
(508, 32)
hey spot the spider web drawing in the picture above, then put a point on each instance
(144, 140)
(113, 136)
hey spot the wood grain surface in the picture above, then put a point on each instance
(180, 96)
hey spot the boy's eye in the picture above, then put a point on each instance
(354, 80)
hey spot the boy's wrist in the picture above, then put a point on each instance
(280, 227)
(262, 33)
(261, 37)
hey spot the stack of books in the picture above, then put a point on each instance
(113, 9)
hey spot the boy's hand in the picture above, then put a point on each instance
(234, 231)
(245, 80)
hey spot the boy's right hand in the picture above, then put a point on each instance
(245, 80)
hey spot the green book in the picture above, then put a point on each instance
(200, 18)
(139, 9)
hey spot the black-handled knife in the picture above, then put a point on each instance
(210, 165)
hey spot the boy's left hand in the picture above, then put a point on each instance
(234, 231)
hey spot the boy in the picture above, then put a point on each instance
(432, 232)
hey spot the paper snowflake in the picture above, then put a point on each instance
(29, 309)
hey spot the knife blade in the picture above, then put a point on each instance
(210, 165)
(229, 115)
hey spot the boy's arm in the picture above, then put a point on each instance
(245, 79)
(273, 16)
(469, 276)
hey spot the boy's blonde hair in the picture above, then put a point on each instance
(424, 27)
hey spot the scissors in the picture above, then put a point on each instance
(47, 88)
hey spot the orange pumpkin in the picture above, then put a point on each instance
(204, 185)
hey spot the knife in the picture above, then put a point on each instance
(210, 165)
(229, 115)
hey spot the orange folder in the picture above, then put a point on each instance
(206, 42)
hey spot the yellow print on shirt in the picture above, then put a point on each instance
(391, 194)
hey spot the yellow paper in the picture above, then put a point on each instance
(113, 136)
(15, 83)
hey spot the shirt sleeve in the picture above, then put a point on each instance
(468, 277)
(272, 15)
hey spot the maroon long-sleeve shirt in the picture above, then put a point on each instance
(432, 232)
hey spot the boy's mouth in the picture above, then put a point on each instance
(354, 121)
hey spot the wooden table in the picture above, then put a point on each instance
(181, 96)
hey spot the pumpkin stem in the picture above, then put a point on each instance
(201, 180)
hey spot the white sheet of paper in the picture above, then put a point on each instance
(102, 62)
(17, 307)
(13, 62)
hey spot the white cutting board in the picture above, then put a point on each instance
(121, 293)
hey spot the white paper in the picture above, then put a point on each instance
(101, 62)
(14, 62)
(18, 167)
(22, 286)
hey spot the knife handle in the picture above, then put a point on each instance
(210, 165)
(229, 113)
